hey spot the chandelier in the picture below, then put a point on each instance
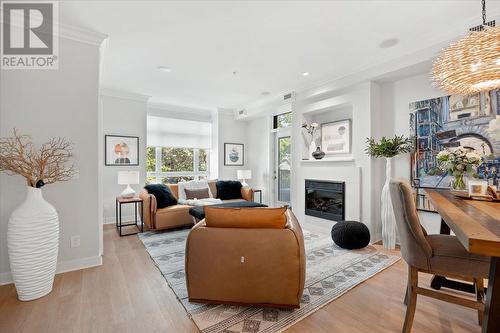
(471, 64)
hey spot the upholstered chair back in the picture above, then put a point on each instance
(415, 249)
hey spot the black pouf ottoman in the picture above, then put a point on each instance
(350, 235)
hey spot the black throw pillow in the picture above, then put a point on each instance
(228, 189)
(164, 197)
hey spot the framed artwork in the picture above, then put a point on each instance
(120, 150)
(234, 154)
(336, 137)
(451, 122)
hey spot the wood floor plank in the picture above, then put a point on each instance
(128, 294)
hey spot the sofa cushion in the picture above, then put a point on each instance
(192, 185)
(197, 194)
(224, 217)
(164, 197)
(228, 189)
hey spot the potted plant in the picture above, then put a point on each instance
(388, 148)
(33, 228)
(458, 163)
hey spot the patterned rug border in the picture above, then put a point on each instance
(393, 259)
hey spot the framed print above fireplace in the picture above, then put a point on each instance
(120, 150)
(234, 154)
(336, 137)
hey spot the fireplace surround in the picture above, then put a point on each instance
(325, 199)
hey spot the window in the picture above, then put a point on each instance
(282, 120)
(169, 165)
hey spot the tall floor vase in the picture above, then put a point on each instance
(387, 213)
(33, 241)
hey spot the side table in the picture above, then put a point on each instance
(138, 203)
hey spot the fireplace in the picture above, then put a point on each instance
(325, 199)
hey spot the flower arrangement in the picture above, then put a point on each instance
(45, 165)
(458, 163)
(310, 128)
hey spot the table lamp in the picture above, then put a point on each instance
(243, 175)
(128, 178)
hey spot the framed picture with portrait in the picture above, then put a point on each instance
(234, 154)
(120, 150)
(336, 137)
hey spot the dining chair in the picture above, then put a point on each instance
(433, 254)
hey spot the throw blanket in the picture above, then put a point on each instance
(201, 202)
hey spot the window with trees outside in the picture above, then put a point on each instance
(167, 165)
(282, 120)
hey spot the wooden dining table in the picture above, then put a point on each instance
(477, 226)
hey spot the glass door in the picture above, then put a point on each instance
(283, 169)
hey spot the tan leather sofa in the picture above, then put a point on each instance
(246, 266)
(177, 215)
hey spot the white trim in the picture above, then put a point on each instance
(80, 34)
(62, 267)
(106, 92)
(72, 32)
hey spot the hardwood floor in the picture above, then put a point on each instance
(128, 294)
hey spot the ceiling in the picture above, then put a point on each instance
(226, 53)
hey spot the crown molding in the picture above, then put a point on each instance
(71, 32)
(81, 35)
(107, 92)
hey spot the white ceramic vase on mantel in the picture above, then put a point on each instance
(387, 212)
(33, 242)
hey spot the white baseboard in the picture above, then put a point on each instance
(62, 267)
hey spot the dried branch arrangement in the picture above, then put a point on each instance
(45, 165)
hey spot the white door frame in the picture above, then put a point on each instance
(273, 167)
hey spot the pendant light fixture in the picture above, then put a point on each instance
(471, 64)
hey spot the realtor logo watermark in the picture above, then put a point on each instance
(29, 35)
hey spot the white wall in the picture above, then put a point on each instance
(396, 97)
(257, 155)
(358, 173)
(122, 114)
(48, 103)
(230, 130)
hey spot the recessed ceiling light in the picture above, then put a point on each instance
(305, 73)
(390, 42)
(165, 69)
(265, 93)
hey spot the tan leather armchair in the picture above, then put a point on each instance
(246, 266)
(177, 215)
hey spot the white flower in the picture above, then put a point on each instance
(443, 155)
(473, 157)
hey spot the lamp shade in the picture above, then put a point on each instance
(128, 177)
(244, 174)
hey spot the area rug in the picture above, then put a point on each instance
(330, 272)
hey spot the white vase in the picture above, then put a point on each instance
(387, 212)
(33, 241)
(312, 148)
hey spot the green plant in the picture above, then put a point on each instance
(388, 147)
